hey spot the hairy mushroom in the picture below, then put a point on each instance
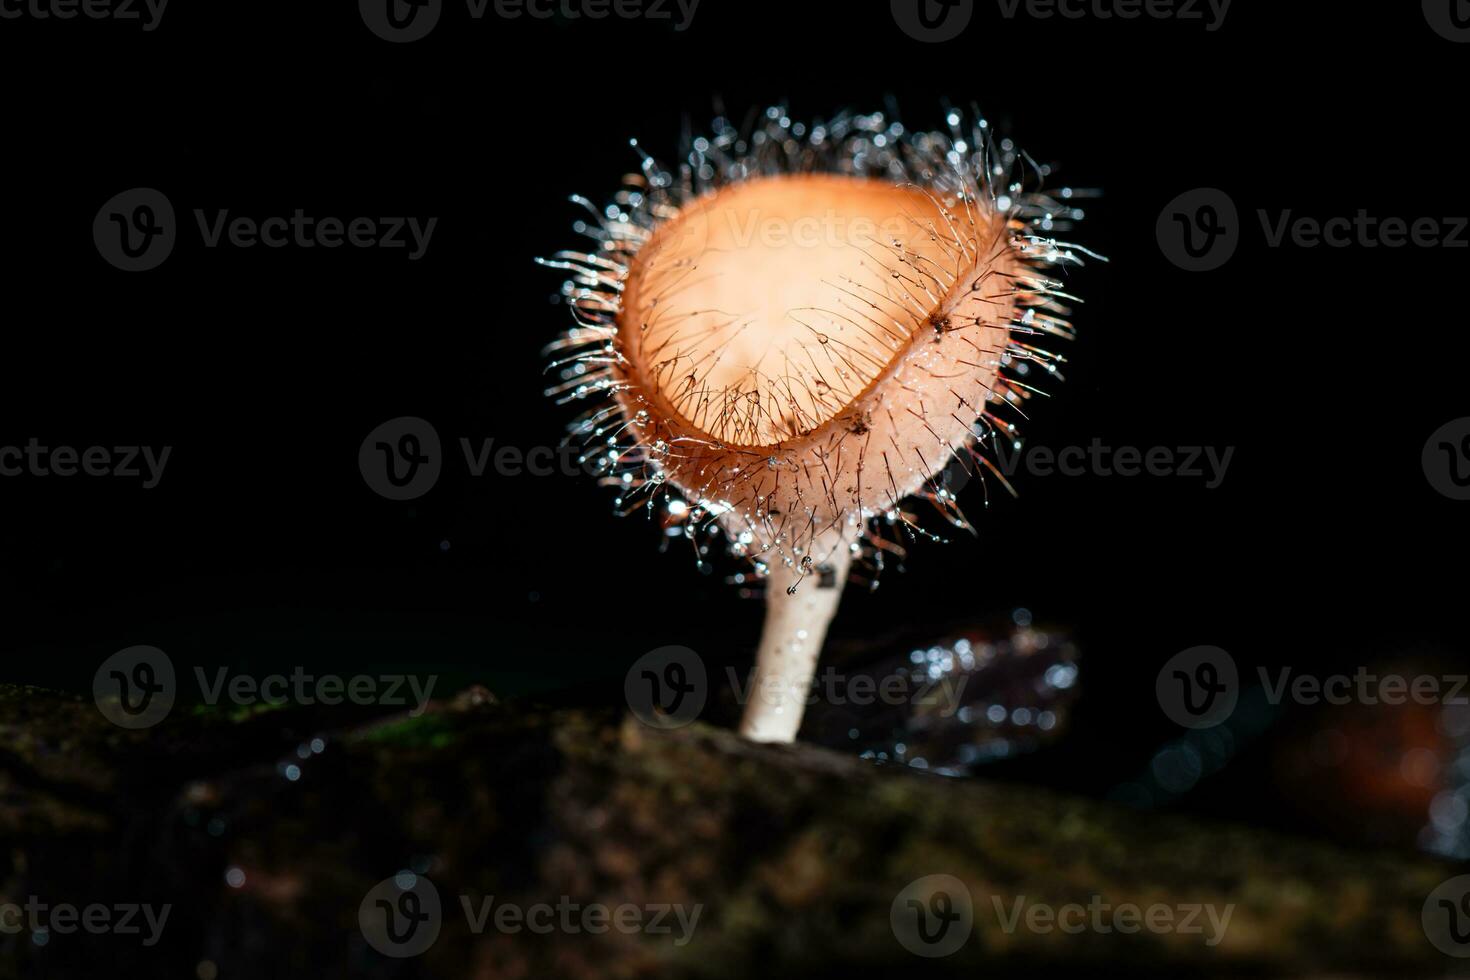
(796, 330)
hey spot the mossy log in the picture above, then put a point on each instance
(794, 854)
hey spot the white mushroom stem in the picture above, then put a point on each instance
(791, 641)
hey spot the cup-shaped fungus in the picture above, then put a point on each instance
(799, 328)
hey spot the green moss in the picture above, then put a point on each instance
(434, 731)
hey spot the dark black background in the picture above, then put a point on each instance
(1327, 369)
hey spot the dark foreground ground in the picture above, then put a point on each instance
(266, 832)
